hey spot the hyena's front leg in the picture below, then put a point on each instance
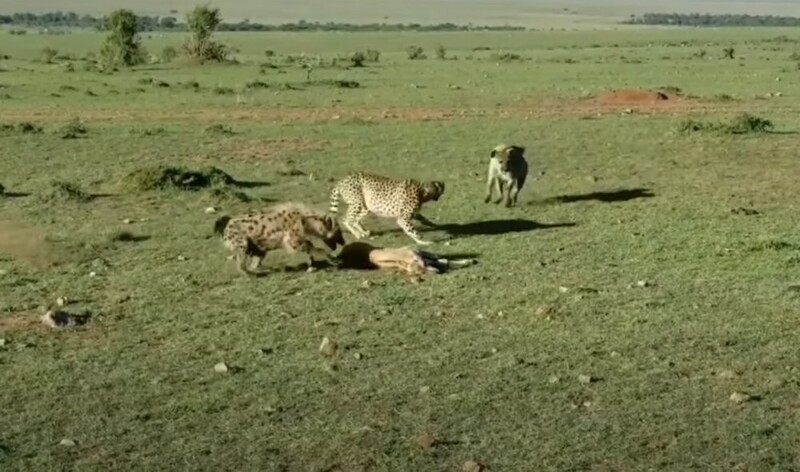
(510, 193)
(489, 184)
(499, 183)
(515, 193)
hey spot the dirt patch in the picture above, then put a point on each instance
(26, 321)
(263, 149)
(633, 97)
(25, 243)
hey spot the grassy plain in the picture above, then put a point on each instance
(486, 359)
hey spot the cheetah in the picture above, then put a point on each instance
(506, 166)
(385, 197)
(287, 225)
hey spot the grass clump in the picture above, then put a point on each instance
(228, 194)
(73, 130)
(415, 53)
(335, 83)
(741, 124)
(59, 191)
(163, 177)
(506, 57)
(256, 84)
(24, 127)
(220, 129)
(223, 91)
(373, 55)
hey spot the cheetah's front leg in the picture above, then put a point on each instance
(405, 224)
(352, 221)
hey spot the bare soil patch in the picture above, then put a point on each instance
(264, 149)
(25, 321)
(24, 242)
(635, 97)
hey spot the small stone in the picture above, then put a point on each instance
(92, 274)
(563, 289)
(366, 284)
(739, 397)
(2, 342)
(358, 356)
(586, 379)
(328, 347)
(61, 301)
(426, 441)
(221, 368)
(472, 466)
(479, 316)
(211, 210)
(494, 350)
(554, 379)
(424, 390)
(181, 258)
(127, 221)
(67, 443)
(643, 283)
(727, 374)
(587, 404)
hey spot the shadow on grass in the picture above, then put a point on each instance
(622, 195)
(15, 195)
(250, 184)
(494, 227)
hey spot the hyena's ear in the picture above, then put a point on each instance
(493, 153)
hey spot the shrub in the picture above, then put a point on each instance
(168, 54)
(163, 177)
(506, 57)
(223, 90)
(728, 53)
(220, 129)
(256, 84)
(441, 52)
(741, 124)
(357, 59)
(373, 55)
(269, 53)
(59, 191)
(201, 23)
(48, 54)
(415, 52)
(73, 130)
(122, 46)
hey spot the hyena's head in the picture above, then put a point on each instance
(432, 190)
(507, 154)
(327, 229)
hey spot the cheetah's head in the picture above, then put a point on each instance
(432, 190)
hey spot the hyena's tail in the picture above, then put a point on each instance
(221, 224)
(335, 199)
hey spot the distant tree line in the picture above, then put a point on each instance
(169, 23)
(697, 19)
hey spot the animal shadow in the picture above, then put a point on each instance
(494, 227)
(622, 195)
(250, 183)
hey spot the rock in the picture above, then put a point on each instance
(426, 441)
(563, 289)
(358, 356)
(67, 443)
(472, 466)
(127, 221)
(181, 258)
(727, 374)
(554, 379)
(424, 389)
(586, 379)
(210, 210)
(643, 283)
(2, 342)
(92, 274)
(739, 397)
(221, 368)
(62, 301)
(328, 347)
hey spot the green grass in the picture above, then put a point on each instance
(486, 358)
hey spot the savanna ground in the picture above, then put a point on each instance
(485, 359)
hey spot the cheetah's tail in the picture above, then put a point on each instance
(334, 208)
(220, 224)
